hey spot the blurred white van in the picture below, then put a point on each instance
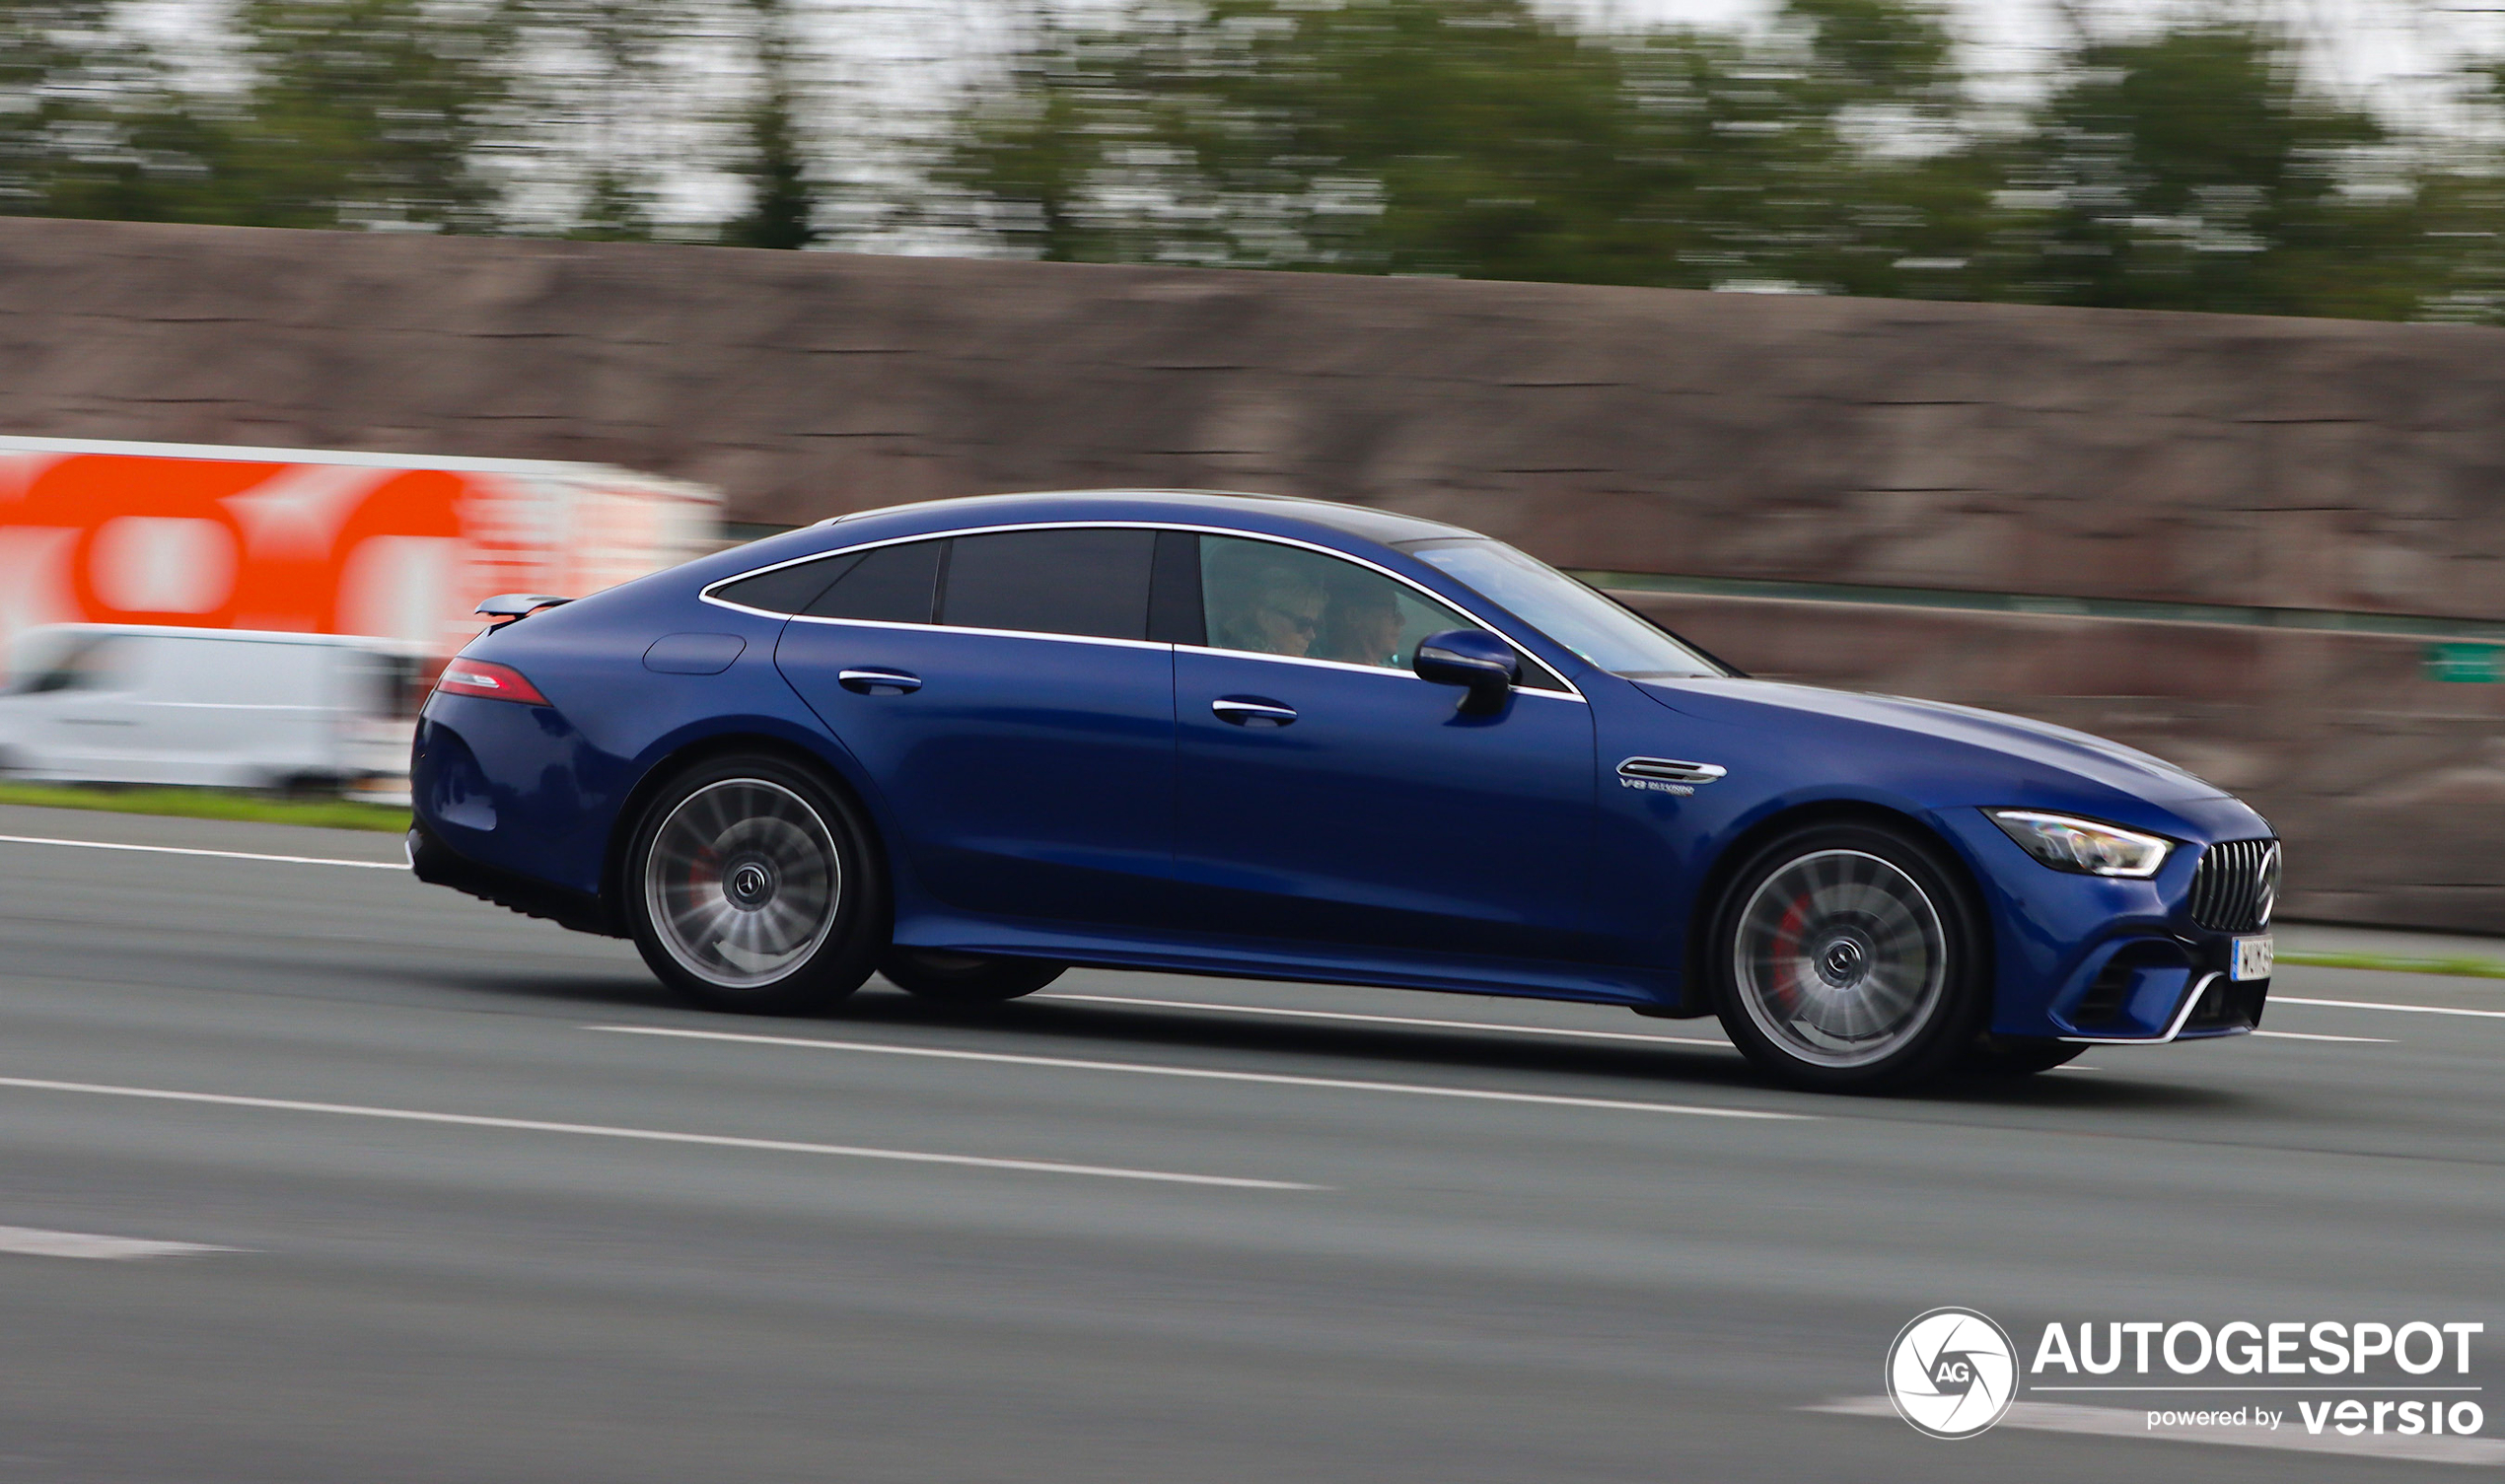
(125, 703)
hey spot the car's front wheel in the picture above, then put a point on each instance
(1851, 958)
(753, 886)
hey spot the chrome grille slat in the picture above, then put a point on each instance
(2236, 886)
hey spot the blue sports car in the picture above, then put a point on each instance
(970, 743)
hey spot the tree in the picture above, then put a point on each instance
(2197, 171)
(1476, 138)
(363, 113)
(782, 212)
(87, 124)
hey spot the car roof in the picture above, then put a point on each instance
(1255, 512)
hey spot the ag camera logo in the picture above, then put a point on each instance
(1952, 1373)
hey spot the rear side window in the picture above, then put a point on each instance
(1086, 582)
(787, 590)
(887, 584)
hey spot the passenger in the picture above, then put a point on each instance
(1363, 626)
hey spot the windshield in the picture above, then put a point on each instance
(1603, 634)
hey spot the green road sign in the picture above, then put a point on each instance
(2466, 664)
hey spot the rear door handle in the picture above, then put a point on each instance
(875, 681)
(1252, 711)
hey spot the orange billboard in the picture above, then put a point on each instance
(319, 542)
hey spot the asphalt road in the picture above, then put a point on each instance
(1318, 1266)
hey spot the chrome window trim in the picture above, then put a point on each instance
(706, 594)
(958, 628)
(1353, 667)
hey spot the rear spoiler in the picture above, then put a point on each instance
(506, 608)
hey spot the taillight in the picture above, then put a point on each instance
(494, 682)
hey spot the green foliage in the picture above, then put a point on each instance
(1843, 153)
(211, 803)
(1838, 148)
(2195, 171)
(1475, 138)
(782, 210)
(779, 213)
(87, 124)
(364, 112)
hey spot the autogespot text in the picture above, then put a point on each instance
(2406, 1379)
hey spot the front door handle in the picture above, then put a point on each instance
(876, 681)
(1252, 711)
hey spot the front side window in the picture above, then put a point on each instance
(1266, 598)
(1606, 636)
(1070, 581)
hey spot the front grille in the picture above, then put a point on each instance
(2236, 886)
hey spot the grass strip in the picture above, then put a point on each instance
(2466, 968)
(211, 804)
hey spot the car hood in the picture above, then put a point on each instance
(2089, 758)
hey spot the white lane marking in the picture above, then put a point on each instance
(654, 1135)
(1150, 1069)
(224, 855)
(2113, 1422)
(33, 1242)
(1396, 1020)
(2484, 1015)
(2307, 1036)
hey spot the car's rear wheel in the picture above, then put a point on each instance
(966, 978)
(753, 886)
(1851, 958)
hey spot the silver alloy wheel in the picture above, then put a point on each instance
(742, 882)
(1839, 959)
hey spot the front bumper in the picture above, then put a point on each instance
(2107, 959)
(2151, 989)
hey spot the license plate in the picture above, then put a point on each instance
(2253, 958)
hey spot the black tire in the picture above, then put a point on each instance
(1851, 958)
(2017, 1055)
(966, 978)
(752, 886)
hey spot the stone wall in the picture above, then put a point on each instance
(2218, 459)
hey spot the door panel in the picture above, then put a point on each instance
(1377, 816)
(1030, 776)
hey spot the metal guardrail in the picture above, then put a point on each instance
(2313, 620)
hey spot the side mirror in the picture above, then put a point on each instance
(1473, 659)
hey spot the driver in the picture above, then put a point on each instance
(1363, 626)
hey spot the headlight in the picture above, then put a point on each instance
(2082, 845)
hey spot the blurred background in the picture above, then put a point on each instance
(1921, 436)
(2285, 157)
